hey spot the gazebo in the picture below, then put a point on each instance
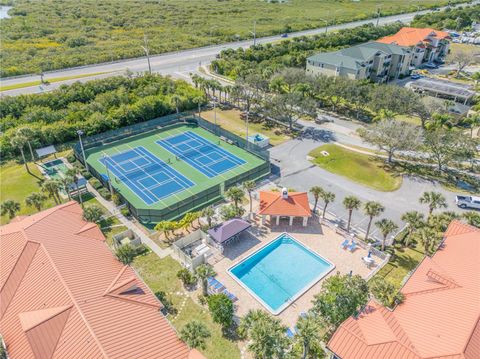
(228, 231)
(46, 151)
(284, 204)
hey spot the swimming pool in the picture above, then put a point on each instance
(280, 272)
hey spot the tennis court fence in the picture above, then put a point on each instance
(196, 201)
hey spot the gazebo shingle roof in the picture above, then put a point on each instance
(228, 229)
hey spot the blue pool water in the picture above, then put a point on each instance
(280, 272)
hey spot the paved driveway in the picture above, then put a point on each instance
(299, 173)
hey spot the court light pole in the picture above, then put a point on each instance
(215, 112)
(80, 133)
(108, 174)
(246, 122)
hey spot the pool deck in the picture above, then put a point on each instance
(319, 238)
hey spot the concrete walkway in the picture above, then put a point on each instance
(162, 253)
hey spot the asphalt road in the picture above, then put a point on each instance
(177, 64)
(299, 173)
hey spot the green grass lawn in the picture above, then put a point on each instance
(405, 261)
(358, 167)
(230, 120)
(110, 226)
(160, 276)
(16, 184)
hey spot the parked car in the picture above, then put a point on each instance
(416, 76)
(467, 202)
(284, 35)
(430, 65)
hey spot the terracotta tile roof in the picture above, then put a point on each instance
(439, 317)
(296, 204)
(410, 36)
(64, 295)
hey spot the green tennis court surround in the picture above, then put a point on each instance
(160, 182)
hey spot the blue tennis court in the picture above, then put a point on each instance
(146, 175)
(205, 156)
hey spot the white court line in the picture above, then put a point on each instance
(173, 176)
(170, 171)
(153, 196)
(132, 183)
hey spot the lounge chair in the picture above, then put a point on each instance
(215, 285)
(289, 332)
(345, 243)
(352, 246)
(232, 297)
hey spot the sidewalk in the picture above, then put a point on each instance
(162, 253)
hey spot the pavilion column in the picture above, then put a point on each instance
(305, 221)
(278, 220)
(263, 219)
(291, 221)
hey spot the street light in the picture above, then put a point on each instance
(326, 24)
(147, 52)
(254, 32)
(378, 15)
(80, 134)
(215, 111)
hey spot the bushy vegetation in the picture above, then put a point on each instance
(94, 106)
(52, 34)
(453, 19)
(270, 58)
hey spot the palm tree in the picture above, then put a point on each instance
(52, 187)
(93, 213)
(234, 194)
(176, 100)
(36, 199)
(198, 101)
(372, 209)
(428, 237)
(249, 186)
(28, 134)
(18, 141)
(266, 334)
(386, 227)
(194, 334)
(473, 121)
(472, 218)
(205, 271)
(308, 329)
(316, 191)
(434, 200)
(72, 174)
(10, 207)
(415, 220)
(66, 182)
(351, 203)
(209, 213)
(327, 198)
(166, 227)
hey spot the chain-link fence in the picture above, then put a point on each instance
(196, 201)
